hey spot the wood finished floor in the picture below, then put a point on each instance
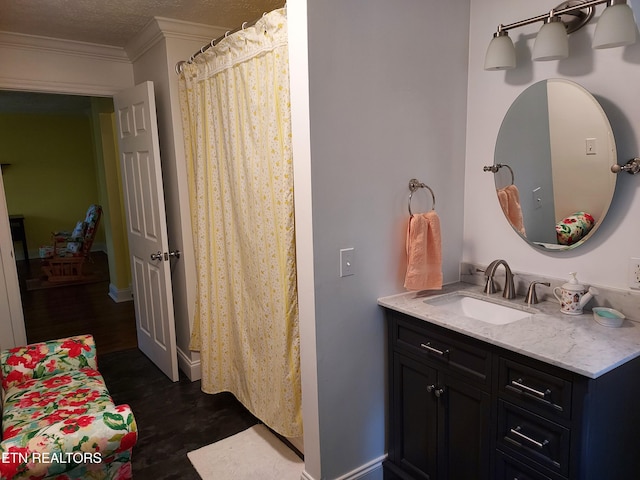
(63, 311)
(173, 418)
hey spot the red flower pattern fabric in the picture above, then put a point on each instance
(574, 228)
(56, 407)
(39, 360)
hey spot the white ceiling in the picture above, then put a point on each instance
(116, 22)
(108, 22)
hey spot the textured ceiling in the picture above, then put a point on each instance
(107, 22)
(116, 22)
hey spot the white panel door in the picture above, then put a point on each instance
(139, 151)
(12, 330)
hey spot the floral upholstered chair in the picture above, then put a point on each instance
(58, 419)
(65, 264)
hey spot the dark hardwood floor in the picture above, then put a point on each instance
(75, 309)
(172, 418)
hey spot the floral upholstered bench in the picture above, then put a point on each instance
(58, 419)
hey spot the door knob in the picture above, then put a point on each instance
(156, 256)
(174, 253)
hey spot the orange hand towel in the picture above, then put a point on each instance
(509, 198)
(424, 253)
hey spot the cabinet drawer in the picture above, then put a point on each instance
(460, 356)
(534, 437)
(508, 468)
(531, 388)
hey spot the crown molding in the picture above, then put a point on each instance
(159, 28)
(49, 86)
(62, 47)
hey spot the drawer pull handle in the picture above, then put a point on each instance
(516, 431)
(428, 346)
(519, 384)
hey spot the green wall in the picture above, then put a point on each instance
(51, 175)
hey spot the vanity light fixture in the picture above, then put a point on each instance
(501, 54)
(616, 27)
(552, 41)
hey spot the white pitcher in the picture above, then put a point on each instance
(573, 296)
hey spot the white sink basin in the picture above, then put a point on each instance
(478, 308)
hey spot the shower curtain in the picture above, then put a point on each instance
(237, 128)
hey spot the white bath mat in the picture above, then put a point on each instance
(253, 454)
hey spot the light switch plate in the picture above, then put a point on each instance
(537, 197)
(347, 267)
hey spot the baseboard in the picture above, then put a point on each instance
(369, 471)
(120, 295)
(191, 368)
(100, 247)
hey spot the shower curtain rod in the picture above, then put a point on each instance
(213, 42)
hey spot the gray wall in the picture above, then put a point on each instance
(387, 103)
(524, 144)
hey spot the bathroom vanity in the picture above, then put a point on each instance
(549, 396)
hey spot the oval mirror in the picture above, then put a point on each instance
(552, 165)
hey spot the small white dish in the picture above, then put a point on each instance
(608, 317)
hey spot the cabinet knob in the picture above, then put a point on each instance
(436, 391)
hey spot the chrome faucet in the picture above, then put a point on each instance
(490, 286)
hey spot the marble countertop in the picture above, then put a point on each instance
(574, 342)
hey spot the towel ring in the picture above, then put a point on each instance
(415, 185)
(498, 166)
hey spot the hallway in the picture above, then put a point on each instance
(75, 309)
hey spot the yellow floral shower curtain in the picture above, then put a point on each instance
(236, 119)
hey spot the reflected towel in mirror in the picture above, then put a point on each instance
(424, 252)
(509, 198)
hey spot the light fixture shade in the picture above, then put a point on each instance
(552, 42)
(501, 54)
(615, 28)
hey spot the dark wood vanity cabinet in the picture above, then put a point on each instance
(461, 408)
(438, 413)
(441, 406)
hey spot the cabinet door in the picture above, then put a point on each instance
(464, 430)
(414, 418)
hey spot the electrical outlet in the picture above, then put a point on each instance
(634, 273)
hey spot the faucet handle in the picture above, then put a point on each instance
(531, 297)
